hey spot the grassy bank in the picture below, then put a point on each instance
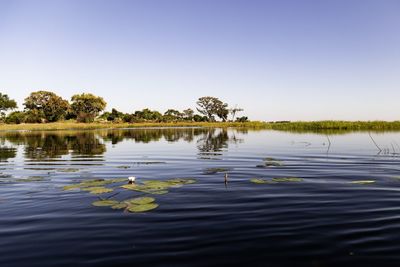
(104, 125)
(314, 126)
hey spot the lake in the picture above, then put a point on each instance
(291, 199)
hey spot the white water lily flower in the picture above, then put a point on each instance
(131, 179)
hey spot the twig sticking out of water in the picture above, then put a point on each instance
(380, 150)
(329, 141)
(329, 144)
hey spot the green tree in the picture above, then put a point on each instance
(52, 106)
(211, 107)
(114, 115)
(16, 117)
(199, 118)
(6, 104)
(34, 116)
(172, 115)
(148, 115)
(188, 114)
(87, 106)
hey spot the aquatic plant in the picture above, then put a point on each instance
(93, 183)
(138, 204)
(215, 170)
(140, 201)
(97, 190)
(275, 180)
(362, 182)
(105, 203)
(259, 181)
(119, 206)
(142, 208)
(287, 179)
(158, 187)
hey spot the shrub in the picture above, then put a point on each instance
(16, 117)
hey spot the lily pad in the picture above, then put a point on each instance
(287, 179)
(181, 181)
(119, 206)
(362, 182)
(140, 200)
(142, 208)
(215, 170)
(158, 187)
(105, 203)
(129, 186)
(98, 190)
(259, 181)
(156, 184)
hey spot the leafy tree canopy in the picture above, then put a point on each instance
(51, 105)
(6, 103)
(87, 106)
(211, 107)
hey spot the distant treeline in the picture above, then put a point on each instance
(45, 106)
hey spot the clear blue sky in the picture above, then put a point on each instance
(279, 60)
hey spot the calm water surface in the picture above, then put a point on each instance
(322, 220)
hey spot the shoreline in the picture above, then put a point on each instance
(300, 126)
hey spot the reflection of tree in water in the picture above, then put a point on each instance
(215, 141)
(49, 145)
(152, 135)
(42, 145)
(45, 146)
(7, 153)
(86, 143)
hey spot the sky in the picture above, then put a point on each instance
(278, 60)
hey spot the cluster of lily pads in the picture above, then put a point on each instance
(140, 204)
(94, 186)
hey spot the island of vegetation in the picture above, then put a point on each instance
(45, 110)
